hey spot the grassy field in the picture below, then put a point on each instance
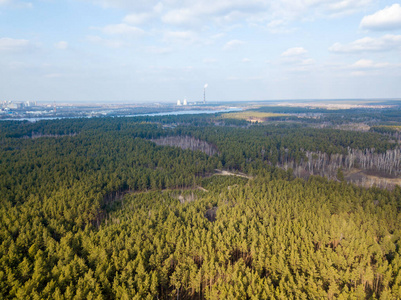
(363, 178)
(395, 127)
(252, 116)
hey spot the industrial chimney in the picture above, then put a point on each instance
(204, 93)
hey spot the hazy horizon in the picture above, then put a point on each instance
(222, 102)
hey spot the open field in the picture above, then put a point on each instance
(252, 116)
(395, 127)
(365, 179)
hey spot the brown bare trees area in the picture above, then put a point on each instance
(187, 142)
(387, 164)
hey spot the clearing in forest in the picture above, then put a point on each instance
(187, 142)
(227, 173)
(252, 116)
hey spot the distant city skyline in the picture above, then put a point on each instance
(141, 51)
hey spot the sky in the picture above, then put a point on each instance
(124, 51)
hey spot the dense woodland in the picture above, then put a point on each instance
(95, 209)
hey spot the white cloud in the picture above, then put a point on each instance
(307, 62)
(180, 37)
(179, 16)
(387, 42)
(275, 24)
(158, 8)
(13, 45)
(246, 60)
(359, 73)
(289, 10)
(137, 18)
(222, 11)
(345, 6)
(233, 17)
(297, 61)
(106, 42)
(126, 4)
(279, 27)
(364, 67)
(277, 16)
(299, 65)
(233, 44)
(62, 45)
(296, 51)
(387, 18)
(364, 64)
(16, 4)
(140, 17)
(122, 29)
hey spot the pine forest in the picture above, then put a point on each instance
(202, 206)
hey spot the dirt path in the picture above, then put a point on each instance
(227, 173)
(202, 189)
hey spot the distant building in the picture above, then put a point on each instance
(178, 102)
(12, 105)
(185, 102)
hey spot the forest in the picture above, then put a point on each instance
(139, 208)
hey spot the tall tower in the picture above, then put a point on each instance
(204, 94)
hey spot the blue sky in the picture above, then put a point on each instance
(124, 51)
